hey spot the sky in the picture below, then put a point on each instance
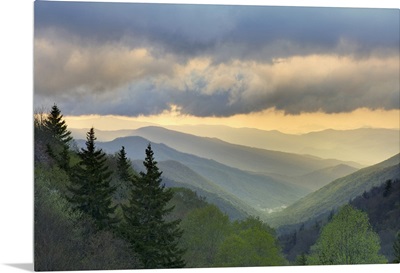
(293, 69)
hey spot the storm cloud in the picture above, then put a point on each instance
(206, 60)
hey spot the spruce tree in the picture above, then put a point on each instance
(124, 175)
(124, 168)
(55, 124)
(154, 239)
(59, 137)
(90, 184)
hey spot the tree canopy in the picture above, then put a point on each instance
(347, 239)
(251, 244)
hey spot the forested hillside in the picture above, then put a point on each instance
(381, 204)
(97, 210)
(337, 193)
(92, 211)
(261, 192)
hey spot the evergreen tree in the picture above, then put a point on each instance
(60, 138)
(124, 175)
(388, 188)
(124, 169)
(57, 126)
(154, 239)
(90, 184)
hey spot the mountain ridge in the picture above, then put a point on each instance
(337, 193)
(258, 191)
(366, 146)
(238, 156)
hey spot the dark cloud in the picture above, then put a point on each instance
(353, 85)
(132, 59)
(199, 29)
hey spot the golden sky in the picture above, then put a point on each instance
(265, 120)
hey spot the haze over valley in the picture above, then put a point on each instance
(263, 180)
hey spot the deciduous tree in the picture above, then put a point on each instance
(205, 229)
(347, 239)
(252, 244)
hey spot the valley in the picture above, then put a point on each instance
(270, 184)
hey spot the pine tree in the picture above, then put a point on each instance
(388, 188)
(60, 138)
(124, 169)
(90, 184)
(124, 176)
(154, 239)
(57, 126)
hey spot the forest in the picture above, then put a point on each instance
(97, 211)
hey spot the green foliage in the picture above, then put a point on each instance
(60, 138)
(251, 244)
(347, 239)
(388, 188)
(124, 166)
(56, 242)
(153, 238)
(66, 239)
(383, 213)
(122, 177)
(301, 259)
(337, 193)
(57, 126)
(204, 230)
(90, 185)
(184, 201)
(396, 249)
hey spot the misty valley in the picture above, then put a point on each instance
(159, 197)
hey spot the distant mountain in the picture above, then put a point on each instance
(239, 156)
(101, 135)
(176, 174)
(259, 191)
(337, 193)
(317, 179)
(365, 145)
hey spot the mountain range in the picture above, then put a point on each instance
(366, 146)
(280, 187)
(337, 193)
(257, 190)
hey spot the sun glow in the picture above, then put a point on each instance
(265, 120)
